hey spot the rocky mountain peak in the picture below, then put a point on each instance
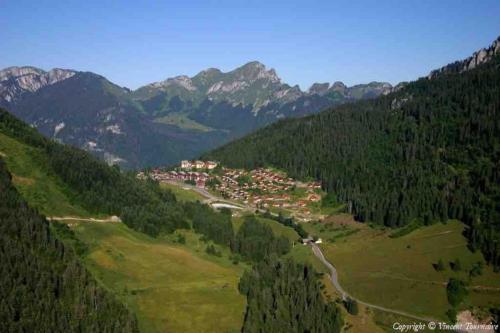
(319, 88)
(14, 81)
(477, 58)
(181, 80)
(19, 71)
(338, 87)
(255, 70)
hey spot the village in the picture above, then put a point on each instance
(268, 189)
(261, 188)
(193, 172)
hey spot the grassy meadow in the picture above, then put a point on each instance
(39, 187)
(171, 287)
(183, 194)
(183, 121)
(398, 272)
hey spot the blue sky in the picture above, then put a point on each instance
(133, 43)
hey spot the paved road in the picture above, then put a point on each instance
(209, 197)
(335, 281)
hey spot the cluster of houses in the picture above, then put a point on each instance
(266, 189)
(198, 165)
(260, 188)
(199, 178)
(192, 171)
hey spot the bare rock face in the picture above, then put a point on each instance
(319, 88)
(14, 81)
(473, 61)
(339, 87)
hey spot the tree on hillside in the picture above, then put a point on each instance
(439, 266)
(351, 306)
(456, 291)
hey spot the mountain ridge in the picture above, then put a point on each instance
(243, 77)
(479, 57)
(163, 122)
(180, 117)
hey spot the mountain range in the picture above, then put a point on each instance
(163, 122)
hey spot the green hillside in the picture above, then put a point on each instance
(44, 286)
(388, 271)
(175, 264)
(171, 287)
(86, 182)
(426, 153)
(41, 188)
(169, 272)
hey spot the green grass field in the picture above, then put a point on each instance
(398, 273)
(41, 189)
(181, 120)
(183, 194)
(171, 287)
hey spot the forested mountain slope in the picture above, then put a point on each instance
(44, 287)
(428, 152)
(99, 188)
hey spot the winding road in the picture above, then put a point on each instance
(335, 281)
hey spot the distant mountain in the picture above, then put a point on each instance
(88, 111)
(166, 121)
(246, 98)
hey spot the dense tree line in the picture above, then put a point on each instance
(287, 222)
(44, 287)
(428, 152)
(283, 296)
(256, 241)
(213, 225)
(142, 205)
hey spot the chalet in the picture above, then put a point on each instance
(198, 164)
(210, 165)
(186, 165)
(314, 185)
(313, 197)
(307, 240)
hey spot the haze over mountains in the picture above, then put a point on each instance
(165, 121)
